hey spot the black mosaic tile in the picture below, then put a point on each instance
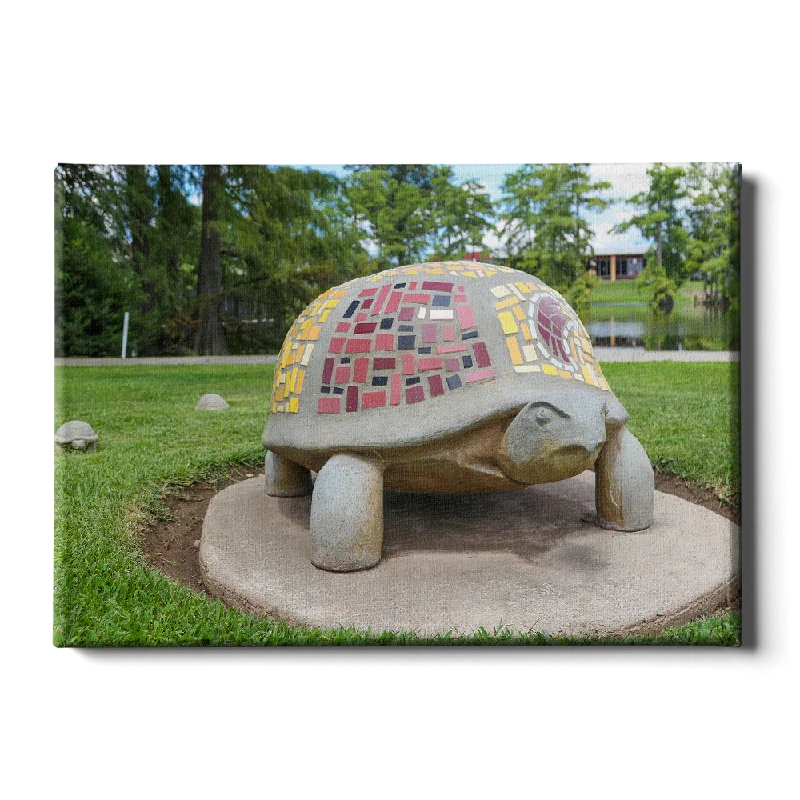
(454, 382)
(412, 381)
(345, 360)
(399, 286)
(470, 335)
(386, 323)
(441, 300)
(351, 309)
(380, 380)
(424, 351)
(338, 390)
(326, 390)
(466, 361)
(406, 342)
(406, 328)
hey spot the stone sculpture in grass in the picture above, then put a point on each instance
(442, 377)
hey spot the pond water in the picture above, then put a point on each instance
(686, 327)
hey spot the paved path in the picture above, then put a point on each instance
(604, 354)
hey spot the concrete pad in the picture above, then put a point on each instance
(527, 560)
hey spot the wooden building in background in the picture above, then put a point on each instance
(617, 266)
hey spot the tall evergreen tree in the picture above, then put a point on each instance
(714, 229)
(661, 219)
(210, 334)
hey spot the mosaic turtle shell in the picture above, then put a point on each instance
(420, 351)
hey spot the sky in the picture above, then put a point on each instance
(625, 179)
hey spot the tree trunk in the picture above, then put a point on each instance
(660, 240)
(210, 335)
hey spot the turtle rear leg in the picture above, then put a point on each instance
(284, 477)
(623, 484)
(347, 514)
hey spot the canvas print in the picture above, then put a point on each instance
(417, 404)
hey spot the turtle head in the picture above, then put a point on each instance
(558, 435)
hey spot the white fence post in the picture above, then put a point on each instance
(125, 334)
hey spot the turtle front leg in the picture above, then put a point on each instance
(347, 514)
(623, 483)
(284, 477)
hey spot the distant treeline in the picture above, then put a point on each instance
(215, 259)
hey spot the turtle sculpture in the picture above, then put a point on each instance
(442, 377)
(76, 435)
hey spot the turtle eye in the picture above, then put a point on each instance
(543, 415)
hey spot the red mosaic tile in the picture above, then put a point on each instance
(360, 370)
(358, 346)
(394, 302)
(381, 299)
(460, 298)
(327, 370)
(351, 403)
(365, 327)
(394, 397)
(367, 304)
(384, 341)
(329, 405)
(426, 364)
(435, 385)
(480, 375)
(437, 286)
(406, 313)
(449, 333)
(368, 293)
(452, 364)
(442, 349)
(343, 327)
(410, 297)
(481, 354)
(373, 399)
(412, 285)
(342, 374)
(361, 316)
(465, 317)
(429, 332)
(383, 363)
(416, 394)
(408, 364)
(336, 345)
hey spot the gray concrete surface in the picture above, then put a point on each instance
(528, 560)
(604, 354)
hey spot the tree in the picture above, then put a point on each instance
(714, 229)
(519, 211)
(94, 284)
(661, 219)
(543, 223)
(392, 204)
(210, 334)
(583, 193)
(461, 214)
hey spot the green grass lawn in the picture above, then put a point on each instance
(625, 292)
(152, 439)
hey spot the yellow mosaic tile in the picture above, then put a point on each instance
(509, 301)
(508, 322)
(513, 349)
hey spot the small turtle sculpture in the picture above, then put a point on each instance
(76, 435)
(442, 377)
